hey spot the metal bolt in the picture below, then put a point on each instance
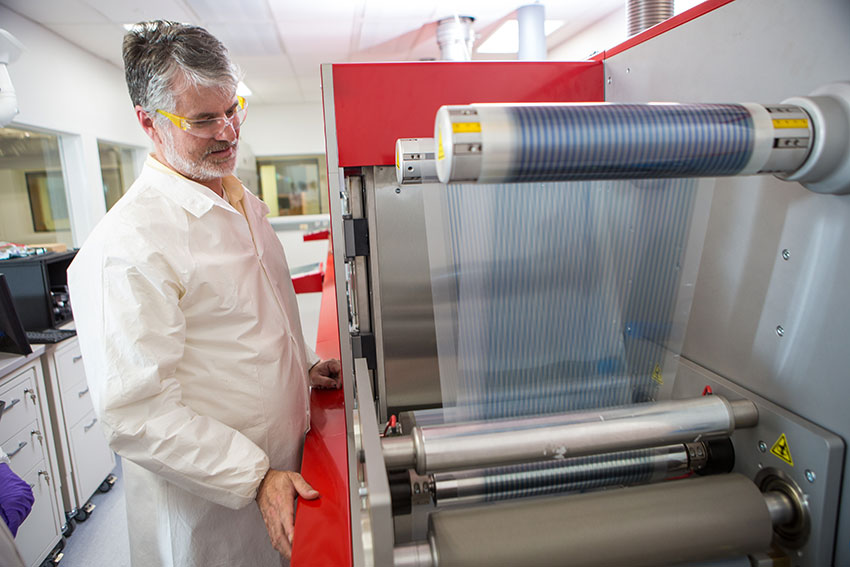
(762, 446)
(610, 80)
(398, 189)
(810, 475)
(628, 69)
(786, 255)
(363, 492)
(780, 330)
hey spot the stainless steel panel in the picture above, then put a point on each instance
(813, 457)
(777, 326)
(402, 299)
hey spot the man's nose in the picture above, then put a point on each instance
(230, 132)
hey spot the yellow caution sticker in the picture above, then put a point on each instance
(398, 159)
(790, 123)
(781, 450)
(441, 155)
(466, 127)
(656, 375)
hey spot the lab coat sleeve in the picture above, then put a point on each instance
(132, 335)
(312, 357)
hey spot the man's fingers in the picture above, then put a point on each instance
(303, 488)
(334, 366)
(324, 382)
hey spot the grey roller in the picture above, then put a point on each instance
(662, 524)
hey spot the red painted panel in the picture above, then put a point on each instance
(323, 526)
(667, 25)
(308, 283)
(377, 103)
(322, 234)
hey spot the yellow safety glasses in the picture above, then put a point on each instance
(210, 127)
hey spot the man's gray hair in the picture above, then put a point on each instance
(162, 58)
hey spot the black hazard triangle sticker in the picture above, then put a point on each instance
(781, 450)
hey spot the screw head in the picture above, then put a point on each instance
(810, 475)
(762, 446)
(786, 255)
(398, 189)
(780, 330)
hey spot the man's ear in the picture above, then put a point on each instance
(146, 121)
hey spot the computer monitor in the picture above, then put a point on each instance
(13, 338)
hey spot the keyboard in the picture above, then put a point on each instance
(50, 336)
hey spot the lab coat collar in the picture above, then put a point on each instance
(191, 195)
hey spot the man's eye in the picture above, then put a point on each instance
(204, 123)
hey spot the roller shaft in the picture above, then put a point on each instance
(499, 442)
(660, 524)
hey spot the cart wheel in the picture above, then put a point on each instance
(105, 486)
(69, 527)
(81, 515)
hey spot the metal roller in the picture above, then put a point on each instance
(659, 524)
(564, 142)
(506, 441)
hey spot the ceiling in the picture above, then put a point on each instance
(280, 44)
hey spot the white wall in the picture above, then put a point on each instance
(292, 129)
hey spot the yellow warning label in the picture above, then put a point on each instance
(398, 159)
(656, 375)
(466, 127)
(790, 123)
(441, 155)
(781, 450)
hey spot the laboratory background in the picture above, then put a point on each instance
(584, 265)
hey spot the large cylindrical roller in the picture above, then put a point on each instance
(660, 524)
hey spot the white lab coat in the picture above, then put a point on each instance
(189, 330)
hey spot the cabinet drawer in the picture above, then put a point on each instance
(69, 367)
(92, 458)
(41, 530)
(25, 448)
(21, 404)
(76, 402)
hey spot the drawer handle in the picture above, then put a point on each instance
(83, 393)
(90, 425)
(77, 358)
(12, 404)
(21, 445)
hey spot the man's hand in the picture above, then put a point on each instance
(325, 374)
(276, 499)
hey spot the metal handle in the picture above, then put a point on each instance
(83, 393)
(77, 358)
(21, 445)
(31, 394)
(90, 425)
(37, 433)
(12, 404)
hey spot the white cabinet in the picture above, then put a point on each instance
(85, 459)
(26, 436)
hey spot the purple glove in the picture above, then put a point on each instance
(16, 498)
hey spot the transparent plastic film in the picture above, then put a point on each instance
(552, 297)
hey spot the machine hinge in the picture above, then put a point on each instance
(356, 237)
(363, 346)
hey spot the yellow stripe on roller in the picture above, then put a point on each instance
(466, 127)
(790, 123)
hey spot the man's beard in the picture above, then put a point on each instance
(200, 170)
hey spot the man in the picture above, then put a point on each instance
(189, 327)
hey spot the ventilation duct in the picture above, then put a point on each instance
(455, 38)
(643, 14)
(532, 33)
